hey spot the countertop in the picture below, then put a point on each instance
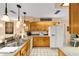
(70, 51)
(39, 36)
(13, 53)
(8, 51)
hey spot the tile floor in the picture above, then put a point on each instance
(43, 51)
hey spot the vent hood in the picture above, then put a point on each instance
(45, 19)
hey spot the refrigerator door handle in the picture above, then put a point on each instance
(53, 34)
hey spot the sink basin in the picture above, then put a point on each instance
(13, 44)
(8, 49)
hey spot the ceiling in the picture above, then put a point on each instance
(40, 10)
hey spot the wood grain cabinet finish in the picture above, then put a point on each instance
(40, 26)
(41, 42)
(60, 53)
(25, 50)
(74, 18)
(18, 53)
(34, 26)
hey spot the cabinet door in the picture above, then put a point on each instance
(60, 53)
(28, 45)
(23, 51)
(18, 53)
(74, 18)
(41, 42)
(46, 41)
(36, 41)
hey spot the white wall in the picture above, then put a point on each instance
(2, 30)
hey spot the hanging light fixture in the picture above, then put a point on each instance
(5, 17)
(65, 4)
(24, 18)
(25, 26)
(18, 23)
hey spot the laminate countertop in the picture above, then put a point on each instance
(70, 51)
(8, 51)
(39, 36)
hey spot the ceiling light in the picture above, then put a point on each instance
(24, 24)
(65, 4)
(57, 12)
(5, 17)
(24, 18)
(18, 22)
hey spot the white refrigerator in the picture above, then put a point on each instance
(56, 34)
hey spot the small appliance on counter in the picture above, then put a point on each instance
(29, 33)
(41, 34)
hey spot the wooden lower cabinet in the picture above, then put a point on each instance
(18, 53)
(41, 41)
(25, 50)
(60, 53)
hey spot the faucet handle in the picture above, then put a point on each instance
(5, 41)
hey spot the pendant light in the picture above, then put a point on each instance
(24, 18)
(25, 26)
(5, 17)
(18, 23)
(18, 6)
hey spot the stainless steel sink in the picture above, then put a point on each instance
(13, 44)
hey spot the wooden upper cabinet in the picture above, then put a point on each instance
(74, 18)
(36, 26)
(40, 26)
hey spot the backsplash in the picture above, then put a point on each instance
(44, 32)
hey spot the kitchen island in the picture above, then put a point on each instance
(68, 51)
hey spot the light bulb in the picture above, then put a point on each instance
(66, 4)
(5, 18)
(18, 24)
(24, 24)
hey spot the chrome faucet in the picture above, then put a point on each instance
(5, 42)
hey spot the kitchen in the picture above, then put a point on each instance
(33, 30)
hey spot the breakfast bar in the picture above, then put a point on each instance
(68, 51)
